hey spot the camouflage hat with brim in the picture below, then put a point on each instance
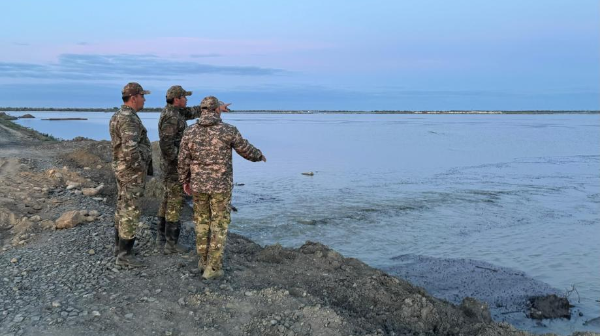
(209, 103)
(132, 89)
(177, 91)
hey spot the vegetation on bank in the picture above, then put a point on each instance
(158, 109)
(30, 132)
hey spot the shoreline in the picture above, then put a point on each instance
(309, 111)
(268, 290)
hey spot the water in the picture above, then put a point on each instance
(521, 191)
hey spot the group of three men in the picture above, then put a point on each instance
(196, 160)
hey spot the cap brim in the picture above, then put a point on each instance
(188, 93)
(145, 92)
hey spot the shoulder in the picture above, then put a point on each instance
(192, 129)
(229, 128)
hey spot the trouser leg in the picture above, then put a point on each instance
(220, 206)
(202, 225)
(129, 209)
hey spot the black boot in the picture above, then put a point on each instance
(126, 256)
(116, 241)
(160, 231)
(172, 233)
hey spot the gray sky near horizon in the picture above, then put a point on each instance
(351, 55)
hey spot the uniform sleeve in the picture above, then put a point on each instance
(168, 132)
(190, 113)
(185, 159)
(130, 140)
(245, 148)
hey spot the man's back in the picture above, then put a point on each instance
(205, 159)
(130, 144)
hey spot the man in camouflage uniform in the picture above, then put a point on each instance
(171, 125)
(132, 162)
(206, 172)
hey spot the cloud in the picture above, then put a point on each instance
(86, 67)
(205, 55)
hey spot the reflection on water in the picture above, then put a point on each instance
(519, 191)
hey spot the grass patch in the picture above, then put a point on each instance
(30, 132)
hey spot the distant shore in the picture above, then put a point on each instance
(158, 109)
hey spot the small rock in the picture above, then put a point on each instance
(95, 313)
(35, 218)
(69, 220)
(129, 316)
(181, 301)
(86, 168)
(91, 252)
(99, 167)
(18, 319)
(72, 185)
(55, 304)
(14, 260)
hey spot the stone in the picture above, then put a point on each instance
(14, 260)
(69, 220)
(549, 307)
(55, 304)
(72, 185)
(95, 313)
(476, 311)
(35, 218)
(92, 191)
(129, 316)
(91, 252)
(99, 167)
(90, 218)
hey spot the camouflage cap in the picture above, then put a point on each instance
(177, 91)
(132, 89)
(209, 103)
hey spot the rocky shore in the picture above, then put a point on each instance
(58, 277)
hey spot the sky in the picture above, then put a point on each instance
(305, 55)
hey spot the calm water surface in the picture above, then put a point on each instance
(521, 191)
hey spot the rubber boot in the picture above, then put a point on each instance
(160, 232)
(116, 248)
(172, 233)
(126, 256)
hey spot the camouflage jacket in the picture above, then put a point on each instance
(205, 154)
(132, 152)
(171, 125)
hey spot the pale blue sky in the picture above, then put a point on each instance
(355, 55)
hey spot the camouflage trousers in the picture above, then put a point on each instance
(172, 202)
(212, 215)
(128, 210)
